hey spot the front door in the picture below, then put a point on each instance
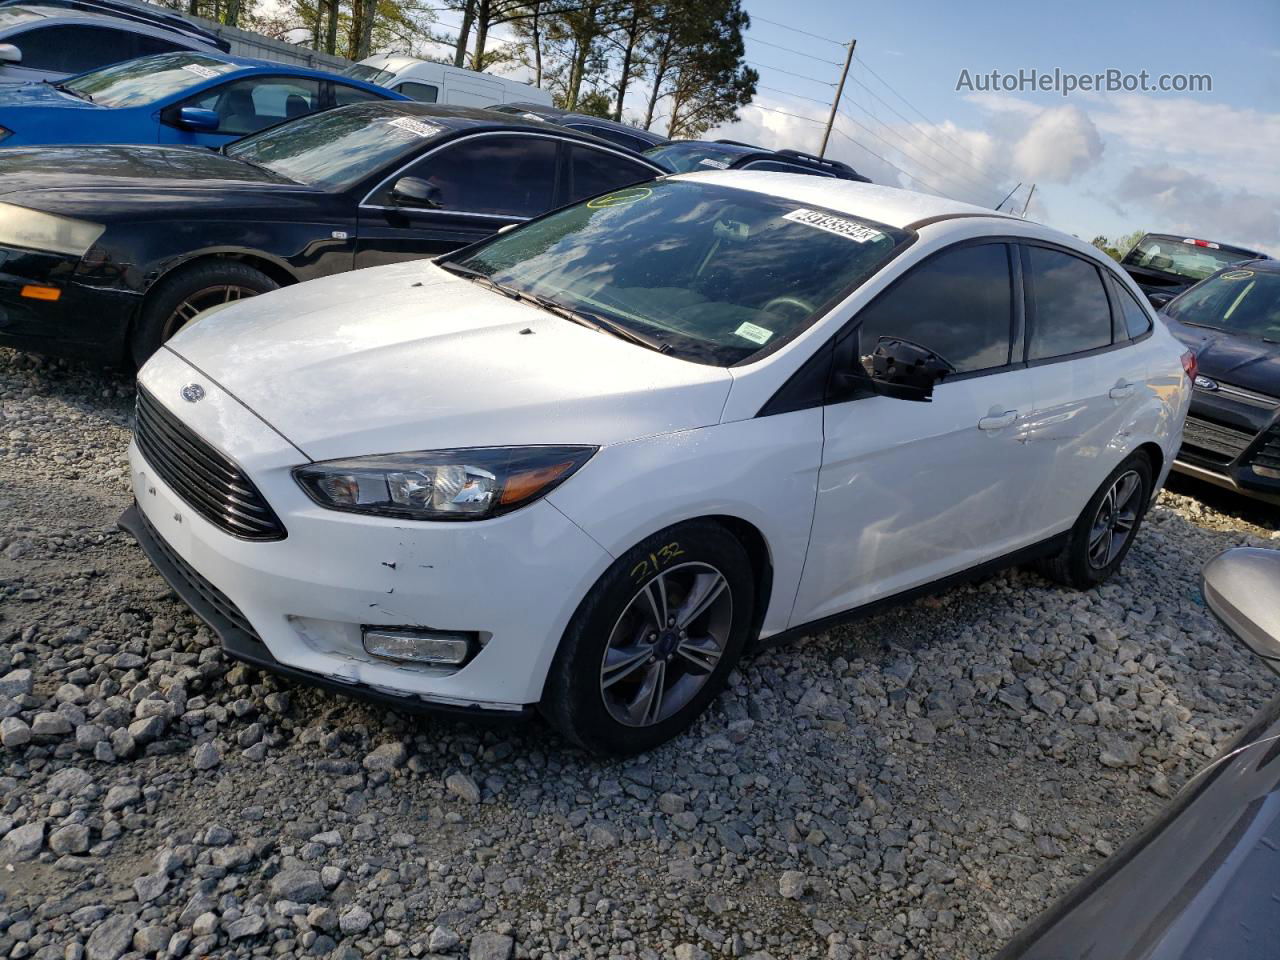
(909, 492)
(479, 185)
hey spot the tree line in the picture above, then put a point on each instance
(673, 65)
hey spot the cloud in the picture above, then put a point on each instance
(1193, 204)
(1059, 145)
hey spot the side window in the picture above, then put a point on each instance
(1136, 320)
(73, 49)
(958, 303)
(246, 106)
(511, 176)
(783, 168)
(596, 171)
(422, 92)
(343, 95)
(1067, 304)
(144, 45)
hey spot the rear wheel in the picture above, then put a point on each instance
(1105, 530)
(651, 645)
(183, 295)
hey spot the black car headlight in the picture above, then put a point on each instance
(464, 484)
(48, 232)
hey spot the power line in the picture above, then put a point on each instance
(790, 73)
(913, 159)
(887, 86)
(790, 93)
(892, 164)
(799, 53)
(983, 183)
(785, 26)
(784, 113)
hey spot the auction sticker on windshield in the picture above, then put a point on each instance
(200, 70)
(416, 127)
(1236, 275)
(621, 198)
(749, 331)
(849, 229)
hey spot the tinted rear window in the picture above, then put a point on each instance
(1072, 313)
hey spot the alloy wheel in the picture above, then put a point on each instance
(1115, 521)
(202, 300)
(666, 644)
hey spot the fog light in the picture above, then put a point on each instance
(440, 647)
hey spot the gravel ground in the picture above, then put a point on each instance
(917, 785)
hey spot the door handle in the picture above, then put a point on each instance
(1120, 391)
(998, 421)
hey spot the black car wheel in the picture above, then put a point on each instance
(180, 297)
(651, 645)
(1106, 528)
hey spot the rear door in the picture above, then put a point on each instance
(1090, 381)
(483, 182)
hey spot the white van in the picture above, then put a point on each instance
(431, 82)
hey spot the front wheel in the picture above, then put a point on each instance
(651, 645)
(1105, 530)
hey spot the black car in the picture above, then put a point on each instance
(623, 134)
(1201, 882)
(1231, 321)
(106, 251)
(1164, 265)
(691, 156)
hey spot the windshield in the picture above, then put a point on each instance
(11, 16)
(713, 273)
(693, 156)
(368, 74)
(147, 79)
(338, 148)
(1182, 258)
(1240, 301)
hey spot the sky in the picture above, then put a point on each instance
(1201, 163)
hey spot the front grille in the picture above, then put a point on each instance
(1268, 455)
(1214, 441)
(207, 591)
(209, 482)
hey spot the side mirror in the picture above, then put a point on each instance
(416, 192)
(1158, 300)
(1242, 588)
(906, 370)
(201, 121)
(9, 53)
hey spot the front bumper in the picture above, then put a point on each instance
(299, 604)
(1232, 439)
(88, 321)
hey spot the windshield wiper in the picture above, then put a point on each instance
(583, 318)
(62, 87)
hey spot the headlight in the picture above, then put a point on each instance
(466, 484)
(5, 134)
(35, 230)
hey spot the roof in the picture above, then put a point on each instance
(888, 205)
(277, 66)
(560, 116)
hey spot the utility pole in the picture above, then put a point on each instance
(1028, 203)
(835, 104)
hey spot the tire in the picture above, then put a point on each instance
(602, 706)
(1083, 563)
(177, 298)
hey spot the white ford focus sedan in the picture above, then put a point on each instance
(580, 466)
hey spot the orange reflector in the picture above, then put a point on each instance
(36, 292)
(521, 486)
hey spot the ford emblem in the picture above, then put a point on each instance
(1204, 383)
(193, 393)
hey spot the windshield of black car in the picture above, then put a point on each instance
(714, 273)
(693, 156)
(1240, 301)
(1181, 257)
(337, 148)
(147, 79)
(368, 74)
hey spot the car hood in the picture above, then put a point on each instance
(92, 180)
(1238, 360)
(40, 95)
(409, 357)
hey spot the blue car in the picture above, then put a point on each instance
(197, 99)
